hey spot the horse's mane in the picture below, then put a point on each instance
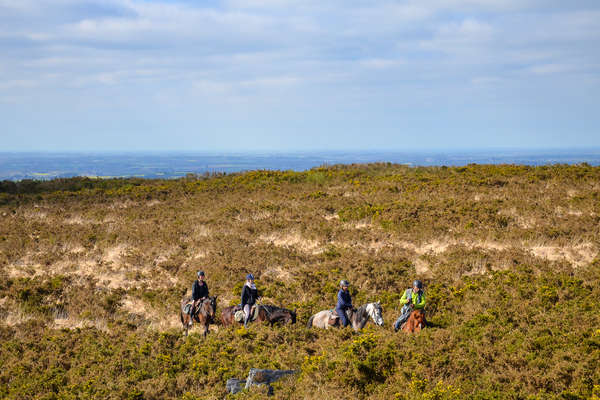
(362, 311)
(272, 309)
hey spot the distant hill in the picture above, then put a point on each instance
(45, 166)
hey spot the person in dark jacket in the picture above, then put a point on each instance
(344, 302)
(199, 290)
(249, 297)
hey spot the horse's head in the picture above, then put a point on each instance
(375, 312)
(419, 317)
(213, 306)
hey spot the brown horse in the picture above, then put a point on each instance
(228, 313)
(203, 313)
(265, 313)
(415, 322)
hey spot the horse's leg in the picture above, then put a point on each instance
(186, 327)
(362, 323)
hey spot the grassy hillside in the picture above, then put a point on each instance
(92, 271)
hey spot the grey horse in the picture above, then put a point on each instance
(326, 319)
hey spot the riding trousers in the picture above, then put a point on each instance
(405, 313)
(246, 313)
(342, 314)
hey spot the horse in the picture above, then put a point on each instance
(273, 314)
(327, 318)
(415, 322)
(228, 313)
(264, 313)
(203, 313)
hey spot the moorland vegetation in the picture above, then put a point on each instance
(92, 273)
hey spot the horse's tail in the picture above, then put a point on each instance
(310, 321)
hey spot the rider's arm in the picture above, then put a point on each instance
(404, 299)
(244, 295)
(422, 303)
(341, 302)
(195, 291)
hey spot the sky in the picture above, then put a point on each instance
(291, 75)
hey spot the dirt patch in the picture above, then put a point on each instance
(202, 231)
(279, 273)
(77, 249)
(16, 317)
(422, 268)
(562, 212)
(35, 214)
(576, 255)
(133, 305)
(362, 225)
(79, 220)
(519, 219)
(76, 323)
(292, 239)
(113, 254)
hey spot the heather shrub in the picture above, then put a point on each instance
(92, 272)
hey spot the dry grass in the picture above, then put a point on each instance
(117, 260)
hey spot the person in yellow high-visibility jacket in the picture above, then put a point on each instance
(412, 299)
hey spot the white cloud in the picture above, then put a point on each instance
(381, 63)
(18, 84)
(335, 55)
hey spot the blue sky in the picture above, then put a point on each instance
(291, 75)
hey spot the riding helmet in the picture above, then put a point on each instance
(344, 282)
(418, 284)
(200, 273)
(250, 277)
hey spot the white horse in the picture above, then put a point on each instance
(327, 318)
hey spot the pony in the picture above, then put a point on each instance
(358, 319)
(203, 313)
(264, 313)
(415, 322)
(228, 313)
(273, 314)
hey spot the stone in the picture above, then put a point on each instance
(265, 376)
(257, 377)
(234, 386)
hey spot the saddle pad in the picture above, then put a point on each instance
(333, 317)
(239, 316)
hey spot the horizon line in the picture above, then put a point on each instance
(592, 149)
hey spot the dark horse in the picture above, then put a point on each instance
(415, 322)
(273, 315)
(265, 313)
(203, 313)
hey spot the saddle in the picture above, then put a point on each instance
(189, 304)
(334, 318)
(239, 313)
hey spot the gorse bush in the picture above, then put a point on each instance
(92, 273)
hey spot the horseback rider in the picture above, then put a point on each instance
(344, 302)
(249, 297)
(412, 299)
(199, 291)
